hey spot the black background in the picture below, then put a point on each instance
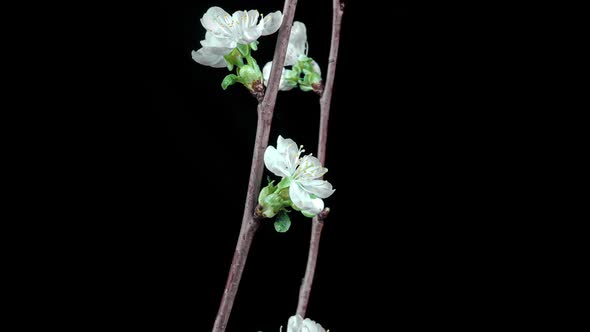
(165, 170)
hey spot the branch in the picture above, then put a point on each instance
(312, 257)
(338, 10)
(325, 100)
(249, 223)
(278, 60)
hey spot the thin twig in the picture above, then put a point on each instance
(249, 223)
(338, 10)
(325, 100)
(312, 257)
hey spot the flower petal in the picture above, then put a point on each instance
(311, 326)
(311, 161)
(266, 72)
(275, 162)
(310, 168)
(251, 34)
(205, 57)
(272, 22)
(210, 19)
(320, 188)
(238, 18)
(253, 16)
(297, 43)
(283, 84)
(303, 200)
(217, 45)
(289, 149)
(245, 32)
(294, 323)
(286, 145)
(291, 57)
(316, 67)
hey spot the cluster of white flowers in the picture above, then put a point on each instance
(225, 32)
(306, 188)
(229, 39)
(298, 324)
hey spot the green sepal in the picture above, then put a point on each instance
(251, 61)
(268, 190)
(309, 215)
(285, 182)
(234, 58)
(294, 207)
(313, 77)
(244, 49)
(305, 87)
(310, 78)
(303, 58)
(229, 80)
(254, 45)
(291, 77)
(292, 74)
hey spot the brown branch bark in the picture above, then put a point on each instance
(249, 223)
(325, 101)
(312, 257)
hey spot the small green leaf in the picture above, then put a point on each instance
(230, 66)
(229, 80)
(244, 49)
(282, 223)
(254, 45)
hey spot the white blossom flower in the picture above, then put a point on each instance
(298, 324)
(306, 189)
(225, 32)
(296, 50)
(242, 27)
